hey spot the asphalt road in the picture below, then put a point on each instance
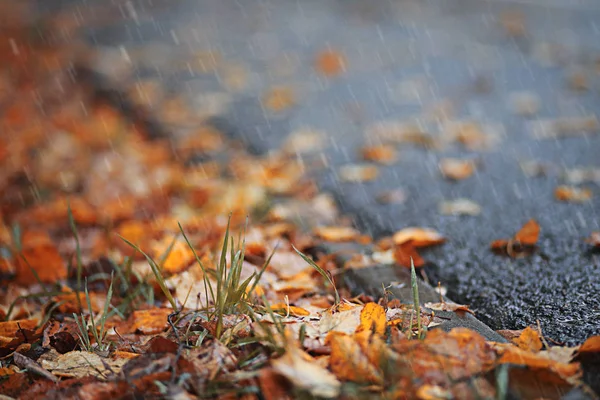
(401, 58)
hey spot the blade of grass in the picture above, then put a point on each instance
(77, 252)
(415, 293)
(320, 271)
(157, 273)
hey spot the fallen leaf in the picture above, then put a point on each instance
(400, 132)
(405, 254)
(304, 140)
(372, 319)
(11, 329)
(305, 373)
(79, 364)
(525, 104)
(529, 233)
(395, 196)
(330, 63)
(444, 306)
(348, 361)
(336, 233)
(420, 237)
(456, 169)
(572, 194)
(521, 244)
(529, 340)
(459, 207)
(39, 256)
(564, 127)
(594, 239)
(591, 345)
(148, 322)
(279, 99)
(289, 310)
(383, 154)
(358, 173)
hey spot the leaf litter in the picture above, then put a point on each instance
(132, 272)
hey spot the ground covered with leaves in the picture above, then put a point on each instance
(185, 267)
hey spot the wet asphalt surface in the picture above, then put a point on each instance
(446, 47)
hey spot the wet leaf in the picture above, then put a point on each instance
(330, 63)
(529, 340)
(303, 372)
(358, 173)
(336, 233)
(456, 169)
(383, 154)
(420, 237)
(448, 307)
(459, 207)
(572, 194)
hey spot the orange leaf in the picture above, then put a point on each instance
(591, 345)
(178, 258)
(499, 244)
(330, 63)
(40, 255)
(529, 340)
(456, 169)
(291, 310)
(594, 239)
(384, 154)
(349, 363)
(148, 322)
(279, 99)
(448, 307)
(372, 319)
(336, 233)
(572, 194)
(406, 251)
(529, 233)
(420, 237)
(10, 329)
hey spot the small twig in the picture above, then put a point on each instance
(541, 335)
(173, 314)
(27, 363)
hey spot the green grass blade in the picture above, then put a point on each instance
(320, 271)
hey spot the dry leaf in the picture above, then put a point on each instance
(572, 194)
(372, 319)
(357, 173)
(40, 255)
(420, 237)
(405, 254)
(529, 233)
(336, 233)
(525, 103)
(148, 322)
(456, 169)
(448, 307)
(396, 196)
(348, 361)
(304, 140)
(591, 345)
(79, 364)
(459, 207)
(529, 340)
(302, 370)
(330, 63)
(279, 99)
(383, 154)
(594, 239)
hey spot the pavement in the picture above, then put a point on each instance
(401, 59)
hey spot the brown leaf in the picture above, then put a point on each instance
(456, 169)
(348, 361)
(420, 237)
(383, 154)
(148, 322)
(336, 233)
(591, 345)
(405, 252)
(529, 233)
(529, 340)
(279, 99)
(357, 173)
(330, 63)
(572, 194)
(448, 307)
